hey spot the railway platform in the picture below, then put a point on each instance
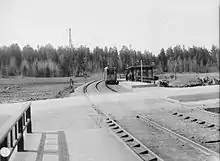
(68, 130)
(133, 84)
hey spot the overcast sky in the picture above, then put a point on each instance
(145, 24)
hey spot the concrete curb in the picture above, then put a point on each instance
(144, 86)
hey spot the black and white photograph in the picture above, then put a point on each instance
(109, 80)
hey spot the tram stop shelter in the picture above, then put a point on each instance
(133, 73)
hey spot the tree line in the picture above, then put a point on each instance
(47, 61)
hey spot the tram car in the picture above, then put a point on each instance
(110, 75)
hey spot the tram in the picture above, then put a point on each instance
(110, 75)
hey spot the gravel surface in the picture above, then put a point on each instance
(192, 130)
(201, 114)
(123, 106)
(167, 147)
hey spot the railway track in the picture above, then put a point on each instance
(134, 144)
(206, 123)
(109, 88)
(197, 129)
(96, 86)
(185, 140)
(152, 141)
(210, 143)
(112, 88)
(203, 123)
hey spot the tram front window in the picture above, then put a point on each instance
(110, 72)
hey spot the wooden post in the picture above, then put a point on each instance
(11, 138)
(23, 121)
(175, 70)
(16, 131)
(141, 72)
(20, 130)
(28, 115)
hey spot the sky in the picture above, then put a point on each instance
(145, 24)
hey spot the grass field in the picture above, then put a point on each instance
(33, 80)
(18, 89)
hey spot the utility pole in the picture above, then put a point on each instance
(70, 70)
(70, 42)
(141, 71)
(70, 39)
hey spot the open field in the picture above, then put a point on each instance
(20, 89)
(183, 78)
(27, 92)
(39, 80)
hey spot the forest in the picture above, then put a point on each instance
(47, 61)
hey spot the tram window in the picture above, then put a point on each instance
(110, 72)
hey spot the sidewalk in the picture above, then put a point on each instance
(70, 130)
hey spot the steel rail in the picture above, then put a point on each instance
(111, 88)
(134, 144)
(184, 139)
(97, 89)
(96, 86)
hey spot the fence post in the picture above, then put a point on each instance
(24, 121)
(28, 115)
(20, 130)
(4, 144)
(16, 130)
(11, 138)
